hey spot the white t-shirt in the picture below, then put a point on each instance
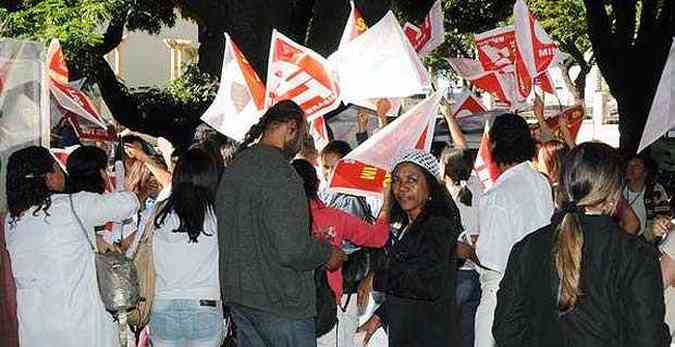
(637, 203)
(468, 214)
(519, 203)
(58, 300)
(186, 270)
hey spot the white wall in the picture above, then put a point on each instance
(145, 60)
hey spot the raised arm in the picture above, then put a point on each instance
(455, 131)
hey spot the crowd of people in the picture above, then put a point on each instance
(569, 247)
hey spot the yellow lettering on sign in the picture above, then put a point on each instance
(369, 173)
(361, 25)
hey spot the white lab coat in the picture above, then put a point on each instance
(58, 301)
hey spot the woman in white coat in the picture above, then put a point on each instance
(58, 301)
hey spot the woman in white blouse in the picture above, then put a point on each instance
(187, 310)
(58, 301)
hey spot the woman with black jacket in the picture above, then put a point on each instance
(419, 280)
(582, 281)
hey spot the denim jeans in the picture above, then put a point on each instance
(260, 329)
(186, 323)
(468, 298)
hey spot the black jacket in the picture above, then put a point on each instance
(622, 293)
(419, 282)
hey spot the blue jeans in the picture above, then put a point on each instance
(260, 329)
(185, 323)
(468, 298)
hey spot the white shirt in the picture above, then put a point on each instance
(637, 203)
(519, 203)
(186, 270)
(58, 301)
(468, 214)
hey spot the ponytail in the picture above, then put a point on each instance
(567, 249)
(465, 196)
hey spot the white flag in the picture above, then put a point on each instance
(239, 103)
(363, 171)
(380, 63)
(431, 34)
(536, 48)
(662, 114)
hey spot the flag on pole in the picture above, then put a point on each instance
(431, 34)
(536, 48)
(380, 63)
(662, 113)
(363, 171)
(240, 100)
(355, 26)
(297, 73)
(485, 167)
(467, 105)
(500, 85)
(545, 82)
(573, 115)
(497, 51)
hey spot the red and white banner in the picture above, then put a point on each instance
(662, 113)
(355, 26)
(431, 34)
(66, 95)
(501, 86)
(497, 51)
(363, 171)
(297, 73)
(319, 132)
(485, 167)
(536, 48)
(545, 82)
(467, 105)
(240, 101)
(573, 115)
(380, 63)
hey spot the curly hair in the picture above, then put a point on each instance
(27, 170)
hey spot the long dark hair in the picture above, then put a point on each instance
(458, 167)
(591, 175)
(26, 181)
(84, 170)
(440, 204)
(193, 188)
(282, 112)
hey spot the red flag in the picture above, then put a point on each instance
(574, 117)
(500, 85)
(67, 96)
(363, 171)
(300, 74)
(430, 35)
(545, 82)
(467, 106)
(497, 51)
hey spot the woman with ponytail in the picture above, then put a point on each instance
(187, 309)
(582, 281)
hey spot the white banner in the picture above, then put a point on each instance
(662, 113)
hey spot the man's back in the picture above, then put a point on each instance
(267, 257)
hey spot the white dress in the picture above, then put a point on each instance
(58, 301)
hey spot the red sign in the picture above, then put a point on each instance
(574, 116)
